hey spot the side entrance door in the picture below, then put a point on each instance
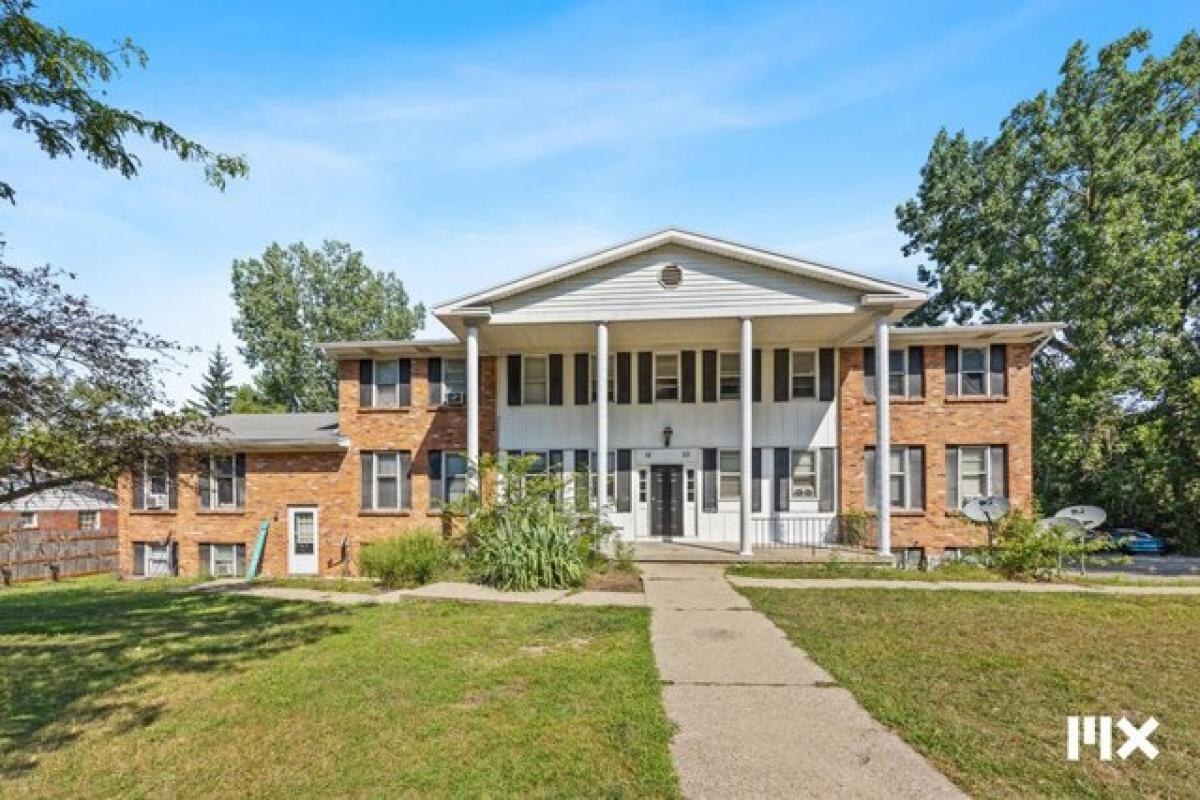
(666, 500)
(302, 541)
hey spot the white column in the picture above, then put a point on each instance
(883, 435)
(473, 405)
(745, 379)
(601, 465)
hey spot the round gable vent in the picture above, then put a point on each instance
(670, 276)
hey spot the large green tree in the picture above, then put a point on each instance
(51, 88)
(1085, 208)
(293, 298)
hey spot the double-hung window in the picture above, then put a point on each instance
(89, 520)
(386, 481)
(156, 482)
(729, 480)
(666, 376)
(535, 381)
(612, 377)
(223, 481)
(905, 372)
(804, 475)
(29, 519)
(974, 472)
(454, 381)
(729, 376)
(973, 371)
(906, 477)
(804, 373)
(387, 384)
(448, 477)
(897, 372)
(223, 560)
(610, 481)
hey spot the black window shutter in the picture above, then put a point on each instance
(624, 378)
(435, 478)
(239, 489)
(139, 558)
(709, 461)
(756, 474)
(582, 379)
(782, 479)
(756, 375)
(174, 558)
(366, 383)
(514, 380)
(202, 480)
(999, 364)
(556, 379)
(826, 479)
(138, 478)
(826, 377)
(869, 372)
(709, 377)
(582, 488)
(434, 380)
(368, 480)
(404, 390)
(916, 371)
(951, 370)
(624, 464)
(783, 372)
(645, 377)
(172, 481)
(687, 373)
(405, 479)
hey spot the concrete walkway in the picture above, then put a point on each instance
(756, 717)
(961, 586)
(446, 590)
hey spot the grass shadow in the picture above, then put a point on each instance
(68, 652)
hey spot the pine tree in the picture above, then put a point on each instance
(216, 389)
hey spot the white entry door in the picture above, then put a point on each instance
(302, 541)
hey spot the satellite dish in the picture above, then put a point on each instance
(986, 509)
(1090, 517)
(1069, 525)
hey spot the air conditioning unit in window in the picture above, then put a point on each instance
(455, 398)
(156, 501)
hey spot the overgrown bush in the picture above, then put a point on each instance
(411, 559)
(853, 526)
(519, 536)
(1025, 549)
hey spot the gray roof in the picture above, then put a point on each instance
(318, 430)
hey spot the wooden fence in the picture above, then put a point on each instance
(35, 555)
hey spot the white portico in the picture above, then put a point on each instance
(699, 377)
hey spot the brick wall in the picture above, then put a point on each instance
(937, 421)
(61, 520)
(330, 481)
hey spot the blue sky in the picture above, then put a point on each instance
(458, 144)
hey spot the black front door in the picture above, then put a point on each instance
(666, 500)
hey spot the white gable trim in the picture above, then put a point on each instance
(897, 293)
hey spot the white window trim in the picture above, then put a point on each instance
(29, 520)
(678, 376)
(403, 500)
(545, 359)
(612, 376)
(446, 384)
(987, 369)
(816, 473)
(95, 526)
(148, 549)
(907, 505)
(147, 482)
(213, 488)
(988, 477)
(720, 359)
(722, 473)
(212, 557)
(792, 374)
(375, 384)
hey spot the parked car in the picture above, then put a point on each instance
(1137, 542)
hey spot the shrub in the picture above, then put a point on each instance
(1025, 549)
(853, 525)
(520, 538)
(411, 559)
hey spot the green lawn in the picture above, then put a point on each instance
(981, 683)
(946, 573)
(130, 690)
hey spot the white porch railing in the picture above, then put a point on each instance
(814, 531)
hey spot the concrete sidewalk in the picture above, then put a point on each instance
(756, 717)
(961, 586)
